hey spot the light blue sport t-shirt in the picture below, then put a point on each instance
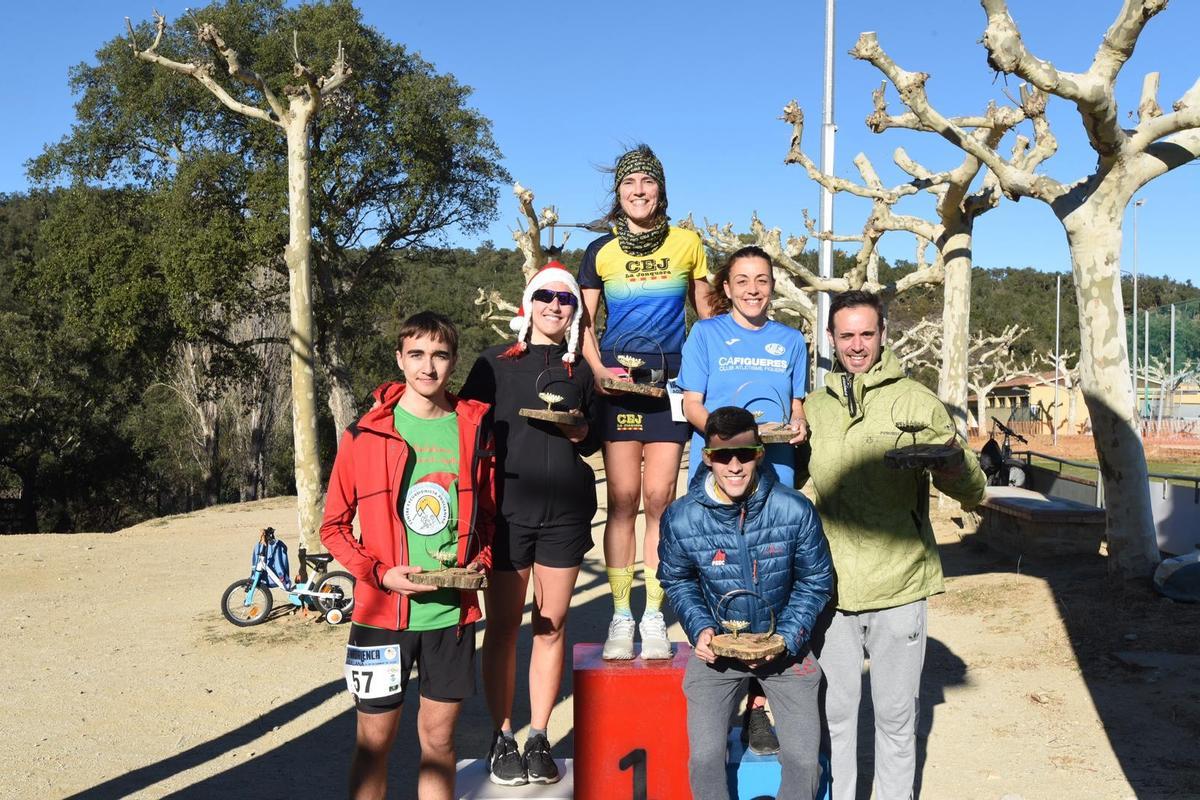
(759, 370)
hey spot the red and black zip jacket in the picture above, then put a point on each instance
(367, 481)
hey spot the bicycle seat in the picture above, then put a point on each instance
(319, 558)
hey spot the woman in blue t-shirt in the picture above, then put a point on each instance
(741, 357)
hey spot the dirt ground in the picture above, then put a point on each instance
(123, 680)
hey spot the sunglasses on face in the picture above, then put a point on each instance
(548, 296)
(723, 455)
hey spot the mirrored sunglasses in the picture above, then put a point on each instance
(723, 455)
(547, 296)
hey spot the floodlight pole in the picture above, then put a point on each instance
(1057, 339)
(1172, 362)
(1146, 366)
(1133, 360)
(825, 261)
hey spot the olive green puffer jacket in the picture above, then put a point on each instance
(877, 518)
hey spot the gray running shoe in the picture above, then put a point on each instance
(655, 644)
(619, 644)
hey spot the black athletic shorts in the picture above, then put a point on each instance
(517, 547)
(445, 664)
(637, 418)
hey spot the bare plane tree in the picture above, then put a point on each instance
(991, 362)
(917, 345)
(529, 241)
(1066, 366)
(189, 381)
(990, 359)
(958, 207)
(255, 402)
(1168, 384)
(294, 119)
(1091, 211)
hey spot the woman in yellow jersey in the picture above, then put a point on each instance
(644, 270)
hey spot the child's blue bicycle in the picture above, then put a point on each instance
(249, 601)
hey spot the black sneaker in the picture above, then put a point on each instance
(757, 732)
(504, 764)
(539, 764)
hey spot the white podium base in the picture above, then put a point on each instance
(472, 783)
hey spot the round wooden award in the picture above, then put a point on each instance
(451, 578)
(550, 413)
(745, 646)
(911, 414)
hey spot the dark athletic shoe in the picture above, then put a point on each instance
(504, 764)
(539, 763)
(757, 732)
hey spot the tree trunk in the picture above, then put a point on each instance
(28, 504)
(300, 336)
(1071, 429)
(956, 322)
(981, 411)
(342, 403)
(256, 447)
(210, 423)
(1094, 237)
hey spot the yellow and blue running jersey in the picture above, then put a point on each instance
(644, 295)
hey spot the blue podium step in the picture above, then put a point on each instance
(754, 777)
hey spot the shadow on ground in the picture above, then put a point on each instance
(1150, 712)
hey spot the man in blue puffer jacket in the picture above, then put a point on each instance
(739, 528)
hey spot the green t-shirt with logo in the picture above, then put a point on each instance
(429, 509)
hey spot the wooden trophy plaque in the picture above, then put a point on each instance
(745, 646)
(550, 413)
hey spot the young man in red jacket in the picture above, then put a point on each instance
(417, 470)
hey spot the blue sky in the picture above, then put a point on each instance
(567, 84)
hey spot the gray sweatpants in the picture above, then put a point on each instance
(894, 640)
(713, 692)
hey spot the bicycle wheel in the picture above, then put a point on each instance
(237, 610)
(341, 584)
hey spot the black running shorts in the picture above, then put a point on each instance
(445, 664)
(629, 417)
(517, 547)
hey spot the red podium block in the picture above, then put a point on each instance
(630, 727)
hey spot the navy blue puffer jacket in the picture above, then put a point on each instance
(770, 543)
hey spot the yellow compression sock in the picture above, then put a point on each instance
(620, 580)
(654, 591)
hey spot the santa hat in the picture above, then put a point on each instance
(553, 272)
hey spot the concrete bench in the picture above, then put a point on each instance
(1022, 522)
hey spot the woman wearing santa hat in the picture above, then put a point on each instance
(546, 495)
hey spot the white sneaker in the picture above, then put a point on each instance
(655, 643)
(619, 644)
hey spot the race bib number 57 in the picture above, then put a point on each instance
(373, 672)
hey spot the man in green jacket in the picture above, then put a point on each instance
(884, 554)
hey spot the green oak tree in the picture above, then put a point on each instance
(379, 154)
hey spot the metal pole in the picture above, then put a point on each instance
(1172, 360)
(825, 262)
(1133, 361)
(1057, 326)
(1146, 366)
